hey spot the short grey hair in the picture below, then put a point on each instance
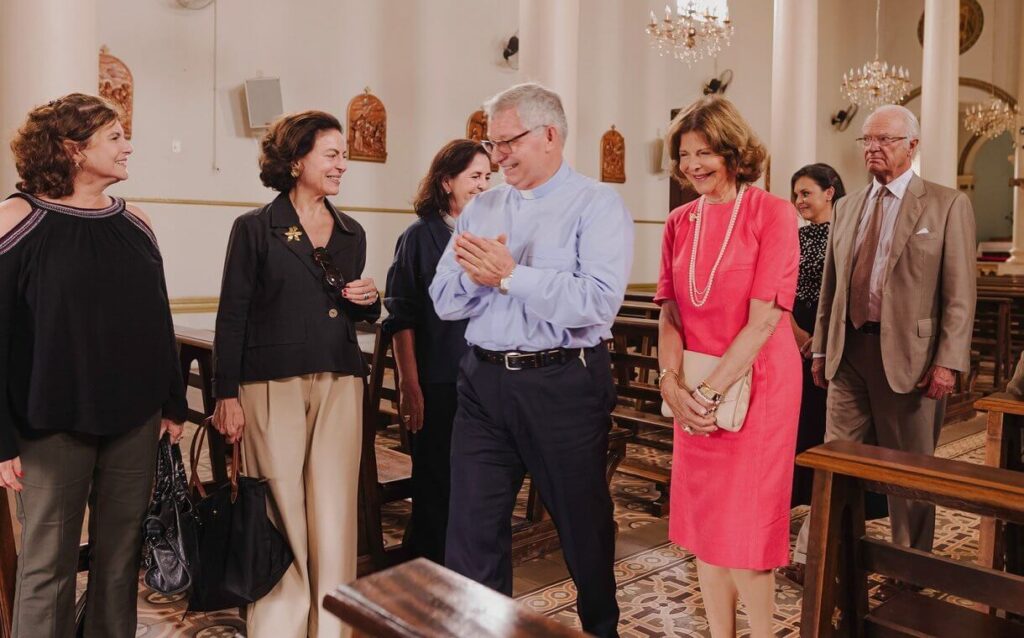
(535, 104)
(910, 123)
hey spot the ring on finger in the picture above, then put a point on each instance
(688, 429)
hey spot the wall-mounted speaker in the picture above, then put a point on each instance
(263, 101)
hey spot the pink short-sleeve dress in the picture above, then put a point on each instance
(731, 490)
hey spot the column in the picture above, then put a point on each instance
(939, 86)
(47, 48)
(794, 108)
(1015, 264)
(549, 54)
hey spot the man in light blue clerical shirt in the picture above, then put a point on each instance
(539, 267)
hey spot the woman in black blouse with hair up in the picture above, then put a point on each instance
(89, 374)
(816, 189)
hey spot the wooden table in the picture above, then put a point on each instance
(1001, 545)
(420, 599)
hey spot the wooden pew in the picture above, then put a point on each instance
(635, 369)
(992, 341)
(1001, 545)
(196, 345)
(420, 599)
(642, 309)
(639, 295)
(840, 555)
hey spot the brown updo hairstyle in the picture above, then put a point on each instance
(728, 134)
(40, 158)
(290, 138)
(453, 158)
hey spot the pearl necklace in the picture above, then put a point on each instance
(699, 297)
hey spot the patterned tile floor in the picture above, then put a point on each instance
(658, 592)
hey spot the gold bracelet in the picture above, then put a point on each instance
(667, 371)
(715, 398)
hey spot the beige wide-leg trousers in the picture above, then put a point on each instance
(303, 435)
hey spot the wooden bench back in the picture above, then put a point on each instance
(841, 554)
(420, 599)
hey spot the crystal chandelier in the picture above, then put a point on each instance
(992, 118)
(876, 82)
(700, 28)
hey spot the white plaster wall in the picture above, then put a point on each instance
(432, 62)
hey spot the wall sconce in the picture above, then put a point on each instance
(842, 118)
(718, 85)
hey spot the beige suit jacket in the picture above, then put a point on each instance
(929, 290)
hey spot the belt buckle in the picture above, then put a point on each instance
(507, 364)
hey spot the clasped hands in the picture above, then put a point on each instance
(486, 261)
(691, 410)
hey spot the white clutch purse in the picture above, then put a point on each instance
(732, 411)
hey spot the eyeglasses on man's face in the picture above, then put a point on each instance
(505, 146)
(881, 140)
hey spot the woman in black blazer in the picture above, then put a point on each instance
(288, 371)
(427, 350)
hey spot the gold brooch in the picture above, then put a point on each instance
(293, 234)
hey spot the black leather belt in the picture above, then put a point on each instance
(513, 360)
(869, 328)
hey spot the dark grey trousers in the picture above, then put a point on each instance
(64, 472)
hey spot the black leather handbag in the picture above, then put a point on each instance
(241, 554)
(170, 548)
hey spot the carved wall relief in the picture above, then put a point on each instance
(613, 157)
(476, 130)
(367, 128)
(118, 86)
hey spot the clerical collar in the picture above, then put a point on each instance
(549, 186)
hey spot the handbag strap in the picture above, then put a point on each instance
(196, 449)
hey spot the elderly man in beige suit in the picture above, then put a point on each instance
(897, 310)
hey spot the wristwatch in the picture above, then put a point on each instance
(504, 282)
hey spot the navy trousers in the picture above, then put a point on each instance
(552, 422)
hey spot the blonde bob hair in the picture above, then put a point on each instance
(726, 132)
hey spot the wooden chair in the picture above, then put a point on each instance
(840, 555)
(385, 474)
(420, 599)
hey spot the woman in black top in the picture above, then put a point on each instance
(89, 374)
(427, 350)
(288, 371)
(816, 189)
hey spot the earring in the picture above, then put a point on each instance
(295, 171)
(78, 165)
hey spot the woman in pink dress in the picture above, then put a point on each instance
(728, 277)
